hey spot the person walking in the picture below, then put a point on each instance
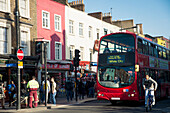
(23, 88)
(33, 87)
(11, 91)
(69, 89)
(81, 89)
(53, 91)
(2, 95)
(47, 89)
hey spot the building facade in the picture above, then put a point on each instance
(51, 28)
(82, 31)
(8, 41)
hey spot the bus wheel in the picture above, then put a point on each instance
(113, 102)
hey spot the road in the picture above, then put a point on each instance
(95, 106)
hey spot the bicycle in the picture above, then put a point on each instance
(149, 101)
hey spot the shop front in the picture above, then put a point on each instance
(59, 70)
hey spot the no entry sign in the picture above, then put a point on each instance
(20, 54)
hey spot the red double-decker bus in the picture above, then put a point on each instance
(123, 61)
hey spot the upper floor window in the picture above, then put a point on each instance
(46, 19)
(24, 36)
(90, 32)
(81, 53)
(5, 5)
(24, 8)
(72, 48)
(160, 51)
(3, 40)
(81, 29)
(58, 51)
(105, 31)
(97, 30)
(57, 19)
(71, 27)
(145, 47)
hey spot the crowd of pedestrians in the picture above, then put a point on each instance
(35, 92)
(85, 87)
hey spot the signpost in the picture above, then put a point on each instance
(20, 56)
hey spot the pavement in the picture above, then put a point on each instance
(61, 102)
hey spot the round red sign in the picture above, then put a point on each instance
(20, 54)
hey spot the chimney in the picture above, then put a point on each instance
(97, 15)
(107, 17)
(79, 5)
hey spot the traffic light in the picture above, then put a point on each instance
(39, 50)
(77, 58)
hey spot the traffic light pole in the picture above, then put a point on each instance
(76, 81)
(76, 64)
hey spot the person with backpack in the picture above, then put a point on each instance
(69, 89)
(2, 95)
(11, 92)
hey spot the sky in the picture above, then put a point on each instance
(153, 14)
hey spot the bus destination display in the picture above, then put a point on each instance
(116, 59)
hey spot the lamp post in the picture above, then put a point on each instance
(17, 24)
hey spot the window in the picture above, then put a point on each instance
(90, 32)
(57, 19)
(58, 51)
(155, 51)
(140, 46)
(5, 5)
(151, 49)
(164, 54)
(71, 52)
(3, 40)
(71, 27)
(81, 52)
(97, 30)
(24, 44)
(48, 50)
(145, 47)
(46, 19)
(160, 51)
(91, 55)
(105, 31)
(81, 29)
(24, 8)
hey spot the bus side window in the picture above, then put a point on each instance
(164, 54)
(140, 46)
(155, 51)
(151, 49)
(160, 51)
(168, 54)
(145, 47)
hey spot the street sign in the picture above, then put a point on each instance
(20, 64)
(20, 54)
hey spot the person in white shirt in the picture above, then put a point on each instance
(47, 89)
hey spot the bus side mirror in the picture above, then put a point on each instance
(137, 68)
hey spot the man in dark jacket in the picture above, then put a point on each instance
(11, 92)
(69, 89)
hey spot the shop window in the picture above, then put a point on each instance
(160, 51)
(145, 47)
(140, 46)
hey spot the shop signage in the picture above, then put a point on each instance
(57, 66)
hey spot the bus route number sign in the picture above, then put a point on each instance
(116, 59)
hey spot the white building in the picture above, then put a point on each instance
(81, 32)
